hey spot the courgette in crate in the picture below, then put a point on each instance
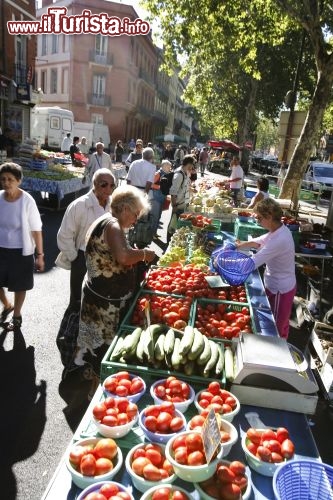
(214, 356)
(140, 346)
(197, 346)
(206, 353)
(169, 341)
(159, 347)
(117, 350)
(229, 364)
(189, 367)
(220, 362)
(175, 357)
(186, 340)
(149, 345)
(130, 342)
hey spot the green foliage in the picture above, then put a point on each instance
(267, 134)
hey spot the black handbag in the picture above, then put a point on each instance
(142, 233)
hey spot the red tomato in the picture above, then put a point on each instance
(154, 456)
(122, 404)
(110, 420)
(214, 388)
(151, 423)
(225, 474)
(163, 422)
(230, 491)
(123, 419)
(196, 421)
(131, 410)
(254, 435)
(287, 448)
(196, 458)
(151, 410)
(268, 434)
(88, 465)
(121, 375)
(282, 434)
(178, 441)
(103, 465)
(106, 448)
(176, 424)
(96, 495)
(238, 468)
(264, 453)
(161, 494)
(138, 464)
(193, 442)
(110, 384)
(109, 489)
(180, 455)
(167, 406)
(151, 472)
(76, 454)
(136, 386)
(99, 411)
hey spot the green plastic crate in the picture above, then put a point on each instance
(230, 307)
(245, 229)
(109, 367)
(127, 321)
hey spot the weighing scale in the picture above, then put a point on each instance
(270, 362)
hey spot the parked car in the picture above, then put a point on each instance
(319, 176)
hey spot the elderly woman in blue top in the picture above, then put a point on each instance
(21, 242)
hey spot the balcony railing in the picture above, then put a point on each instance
(99, 100)
(103, 59)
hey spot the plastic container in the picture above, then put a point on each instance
(204, 496)
(243, 218)
(264, 468)
(155, 437)
(181, 406)
(140, 482)
(134, 398)
(83, 481)
(148, 494)
(95, 488)
(303, 479)
(191, 473)
(226, 416)
(235, 267)
(117, 431)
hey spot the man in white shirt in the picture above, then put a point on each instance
(98, 160)
(236, 179)
(66, 144)
(142, 172)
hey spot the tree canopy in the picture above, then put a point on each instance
(240, 60)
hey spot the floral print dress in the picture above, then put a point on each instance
(107, 287)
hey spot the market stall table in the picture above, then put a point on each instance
(59, 188)
(61, 486)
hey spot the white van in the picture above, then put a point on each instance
(49, 125)
(93, 132)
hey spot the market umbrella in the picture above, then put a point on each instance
(224, 144)
(170, 138)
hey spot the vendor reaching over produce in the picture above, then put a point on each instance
(276, 249)
(111, 272)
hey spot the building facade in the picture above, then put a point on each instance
(110, 80)
(17, 70)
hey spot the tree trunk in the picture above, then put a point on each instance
(299, 160)
(243, 131)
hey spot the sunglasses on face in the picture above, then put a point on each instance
(104, 184)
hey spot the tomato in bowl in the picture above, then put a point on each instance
(124, 384)
(180, 393)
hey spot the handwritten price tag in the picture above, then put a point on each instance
(211, 435)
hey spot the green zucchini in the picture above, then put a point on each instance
(211, 363)
(186, 340)
(197, 346)
(205, 355)
(229, 364)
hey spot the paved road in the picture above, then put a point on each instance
(37, 418)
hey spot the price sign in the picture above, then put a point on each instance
(211, 435)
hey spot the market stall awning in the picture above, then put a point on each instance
(224, 144)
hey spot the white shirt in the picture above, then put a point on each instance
(99, 161)
(79, 216)
(66, 144)
(236, 172)
(277, 251)
(30, 221)
(141, 172)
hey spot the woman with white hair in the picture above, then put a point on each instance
(111, 273)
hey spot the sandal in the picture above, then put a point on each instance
(14, 324)
(5, 313)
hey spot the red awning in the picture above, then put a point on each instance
(224, 144)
